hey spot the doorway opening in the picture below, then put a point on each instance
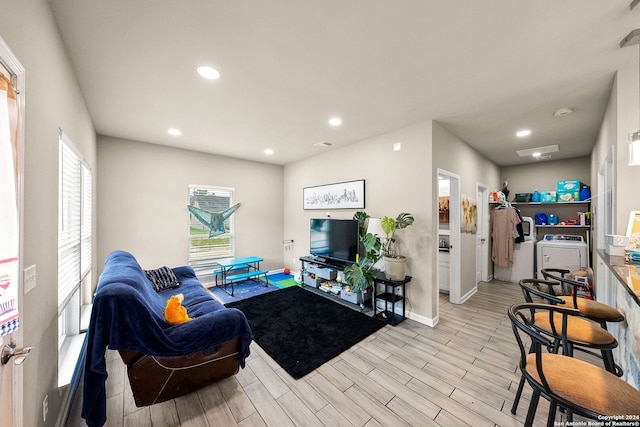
(448, 259)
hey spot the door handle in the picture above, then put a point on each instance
(482, 240)
(10, 350)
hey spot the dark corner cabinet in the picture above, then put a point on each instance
(317, 272)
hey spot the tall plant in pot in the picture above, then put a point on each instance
(359, 276)
(395, 265)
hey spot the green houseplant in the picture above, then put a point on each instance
(359, 276)
(395, 265)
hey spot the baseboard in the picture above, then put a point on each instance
(468, 295)
(429, 321)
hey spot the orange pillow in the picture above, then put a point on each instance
(175, 313)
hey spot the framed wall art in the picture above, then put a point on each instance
(633, 228)
(342, 195)
(469, 214)
(443, 208)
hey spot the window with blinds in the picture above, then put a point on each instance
(204, 251)
(74, 222)
(85, 221)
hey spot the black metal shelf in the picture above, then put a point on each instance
(394, 293)
(389, 317)
(389, 297)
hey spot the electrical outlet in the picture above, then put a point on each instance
(29, 278)
(45, 408)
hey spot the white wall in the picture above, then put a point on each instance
(621, 117)
(53, 101)
(395, 182)
(628, 120)
(143, 193)
(454, 155)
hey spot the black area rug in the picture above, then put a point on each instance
(301, 330)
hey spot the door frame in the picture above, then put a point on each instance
(17, 71)
(455, 286)
(482, 192)
(603, 213)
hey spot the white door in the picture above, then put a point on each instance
(11, 209)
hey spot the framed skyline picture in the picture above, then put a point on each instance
(342, 195)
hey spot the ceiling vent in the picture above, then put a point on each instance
(326, 144)
(561, 112)
(542, 150)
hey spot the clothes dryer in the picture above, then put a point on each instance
(561, 251)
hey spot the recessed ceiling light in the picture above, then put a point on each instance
(522, 133)
(208, 72)
(335, 121)
(536, 154)
(174, 132)
(268, 151)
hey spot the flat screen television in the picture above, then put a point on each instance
(335, 239)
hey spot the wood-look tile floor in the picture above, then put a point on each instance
(463, 372)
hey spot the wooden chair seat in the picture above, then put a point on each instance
(593, 309)
(578, 330)
(586, 385)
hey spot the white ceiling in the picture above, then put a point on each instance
(483, 69)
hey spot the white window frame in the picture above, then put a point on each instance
(204, 265)
(74, 236)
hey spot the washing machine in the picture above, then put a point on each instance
(523, 257)
(562, 251)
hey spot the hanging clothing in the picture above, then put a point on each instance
(519, 228)
(503, 233)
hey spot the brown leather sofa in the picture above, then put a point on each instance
(164, 361)
(155, 379)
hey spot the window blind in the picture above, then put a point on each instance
(86, 229)
(74, 222)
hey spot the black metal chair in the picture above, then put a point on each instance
(582, 334)
(589, 308)
(575, 386)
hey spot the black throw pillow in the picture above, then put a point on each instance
(162, 278)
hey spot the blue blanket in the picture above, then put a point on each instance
(128, 314)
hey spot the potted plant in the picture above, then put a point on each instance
(359, 276)
(395, 265)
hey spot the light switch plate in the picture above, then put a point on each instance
(29, 278)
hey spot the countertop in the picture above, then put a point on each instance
(627, 274)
